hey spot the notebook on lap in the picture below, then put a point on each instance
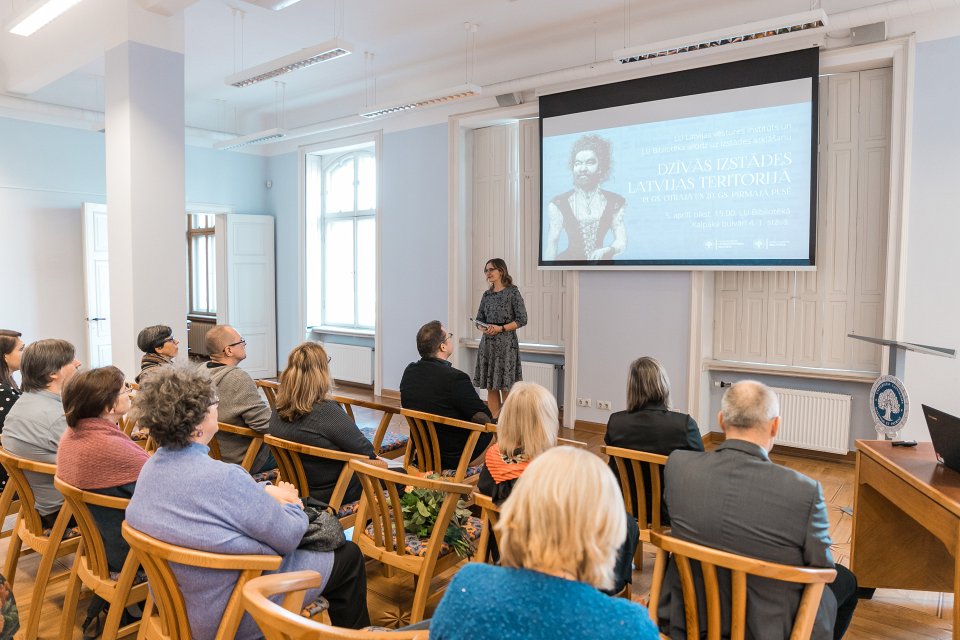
(945, 435)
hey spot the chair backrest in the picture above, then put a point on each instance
(93, 547)
(425, 448)
(633, 484)
(381, 505)
(490, 514)
(287, 454)
(250, 455)
(269, 389)
(739, 567)
(284, 622)
(15, 466)
(387, 415)
(155, 557)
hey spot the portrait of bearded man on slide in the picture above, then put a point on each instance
(587, 213)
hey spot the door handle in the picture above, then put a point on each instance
(95, 319)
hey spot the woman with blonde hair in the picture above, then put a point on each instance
(305, 414)
(559, 531)
(528, 426)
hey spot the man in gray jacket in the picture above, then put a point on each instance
(737, 500)
(240, 402)
(33, 428)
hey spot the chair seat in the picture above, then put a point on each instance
(315, 608)
(417, 547)
(140, 578)
(391, 441)
(471, 471)
(71, 532)
(267, 476)
(348, 509)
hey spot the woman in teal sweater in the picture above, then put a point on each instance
(559, 534)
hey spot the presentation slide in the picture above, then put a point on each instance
(707, 178)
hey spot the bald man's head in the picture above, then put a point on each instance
(749, 405)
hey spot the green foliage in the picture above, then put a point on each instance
(421, 507)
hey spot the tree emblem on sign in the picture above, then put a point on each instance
(889, 403)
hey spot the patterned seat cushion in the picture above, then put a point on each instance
(315, 608)
(137, 579)
(417, 547)
(348, 509)
(265, 476)
(471, 471)
(391, 441)
(71, 532)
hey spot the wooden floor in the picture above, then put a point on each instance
(891, 614)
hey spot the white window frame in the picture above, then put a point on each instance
(192, 210)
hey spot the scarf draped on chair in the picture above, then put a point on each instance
(100, 455)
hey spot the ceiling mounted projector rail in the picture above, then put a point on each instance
(254, 138)
(781, 28)
(308, 57)
(441, 97)
(38, 14)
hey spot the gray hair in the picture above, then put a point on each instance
(749, 404)
(153, 337)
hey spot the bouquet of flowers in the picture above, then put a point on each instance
(420, 510)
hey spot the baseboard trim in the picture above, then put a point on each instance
(592, 427)
(850, 457)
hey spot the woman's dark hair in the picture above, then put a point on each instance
(42, 359)
(8, 342)
(647, 383)
(172, 403)
(152, 338)
(501, 266)
(90, 393)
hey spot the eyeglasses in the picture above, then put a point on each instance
(214, 402)
(329, 359)
(235, 344)
(170, 339)
(449, 336)
(490, 270)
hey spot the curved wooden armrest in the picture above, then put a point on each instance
(90, 497)
(411, 480)
(485, 502)
(566, 442)
(633, 454)
(247, 432)
(367, 404)
(192, 557)
(450, 422)
(45, 468)
(317, 452)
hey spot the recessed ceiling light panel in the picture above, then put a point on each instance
(37, 15)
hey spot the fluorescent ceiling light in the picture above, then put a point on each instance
(276, 5)
(780, 28)
(310, 56)
(37, 15)
(254, 138)
(441, 97)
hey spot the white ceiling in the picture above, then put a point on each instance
(418, 46)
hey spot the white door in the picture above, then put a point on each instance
(96, 283)
(246, 287)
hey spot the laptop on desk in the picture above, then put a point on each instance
(945, 435)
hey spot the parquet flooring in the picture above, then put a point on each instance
(892, 614)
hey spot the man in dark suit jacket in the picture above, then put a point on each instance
(736, 500)
(433, 385)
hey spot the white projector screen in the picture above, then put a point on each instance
(692, 174)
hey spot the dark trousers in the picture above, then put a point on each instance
(844, 587)
(346, 590)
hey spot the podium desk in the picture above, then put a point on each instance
(906, 521)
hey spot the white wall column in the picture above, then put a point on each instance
(144, 97)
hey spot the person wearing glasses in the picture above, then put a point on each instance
(501, 313)
(36, 422)
(159, 348)
(240, 402)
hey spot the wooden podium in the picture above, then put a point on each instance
(906, 521)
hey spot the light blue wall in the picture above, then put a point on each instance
(227, 178)
(283, 201)
(414, 242)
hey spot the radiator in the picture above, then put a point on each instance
(543, 374)
(350, 363)
(197, 336)
(814, 420)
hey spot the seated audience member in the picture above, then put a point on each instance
(11, 349)
(559, 533)
(434, 386)
(34, 425)
(735, 499)
(159, 348)
(240, 402)
(528, 426)
(306, 415)
(648, 424)
(94, 455)
(186, 498)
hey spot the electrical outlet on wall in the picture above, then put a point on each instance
(584, 402)
(603, 404)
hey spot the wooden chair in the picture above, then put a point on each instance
(395, 445)
(423, 450)
(386, 540)
(684, 553)
(283, 621)
(269, 389)
(633, 485)
(253, 447)
(287, 454)
(489, 516)
(165, 615)
(29, 531)
(9, 505)
(90, 567)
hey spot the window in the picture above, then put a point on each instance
(201, 266)
(341, 190)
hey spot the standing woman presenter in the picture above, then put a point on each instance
(498, 362)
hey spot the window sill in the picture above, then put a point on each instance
(792, 371)
(342, 331)
(525, 347)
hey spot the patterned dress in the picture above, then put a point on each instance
(498, 363)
